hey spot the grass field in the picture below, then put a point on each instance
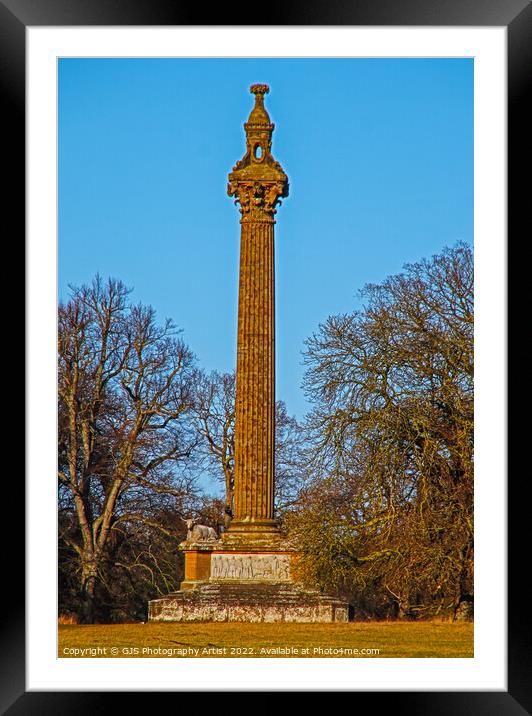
(244, 640)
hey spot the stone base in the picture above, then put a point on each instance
(256, 534)
(253, 602)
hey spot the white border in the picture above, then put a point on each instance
(487, 670)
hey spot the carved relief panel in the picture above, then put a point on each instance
(253, 567)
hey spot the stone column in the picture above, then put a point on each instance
(257, 182)
(248, 575)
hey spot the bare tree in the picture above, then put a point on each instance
(388, 513)
(214, 411)
(125, 438)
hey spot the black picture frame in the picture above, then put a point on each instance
(516, 16)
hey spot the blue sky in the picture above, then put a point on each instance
(379, 154)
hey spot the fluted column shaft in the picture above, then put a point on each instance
(255, 382)
(257, 183)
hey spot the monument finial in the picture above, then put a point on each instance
(259, 116)
(259, 89)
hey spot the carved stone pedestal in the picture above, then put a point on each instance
(218, 562)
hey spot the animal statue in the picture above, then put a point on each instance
(200, 533)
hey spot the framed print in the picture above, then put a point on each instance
(53, 56)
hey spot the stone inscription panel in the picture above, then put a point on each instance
(252, 567)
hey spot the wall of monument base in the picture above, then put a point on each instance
(262, 603)
(224, 613)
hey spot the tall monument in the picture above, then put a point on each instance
(248, 573)
(258, 183)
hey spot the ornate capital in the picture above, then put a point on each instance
(258, 181)
(257, 199)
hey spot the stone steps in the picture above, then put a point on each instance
(253, 602)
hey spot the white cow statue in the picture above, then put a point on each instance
(200, 533)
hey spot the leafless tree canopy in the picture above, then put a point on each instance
(387, 513)
(125, 440)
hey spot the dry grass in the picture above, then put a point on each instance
(67, 619)
(392, 639)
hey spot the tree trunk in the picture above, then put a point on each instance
(89, 578)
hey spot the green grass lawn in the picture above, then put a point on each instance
(244, 640)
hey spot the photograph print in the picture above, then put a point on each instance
(265, 357)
